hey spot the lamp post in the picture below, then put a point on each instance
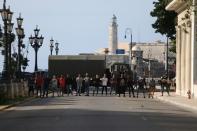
(129, 31)
(56, 48)
(36, 42)
(167, 73)
(7, 18)
(51, 46)
(11, 37)
(21, 35)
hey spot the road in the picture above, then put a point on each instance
(98, 113)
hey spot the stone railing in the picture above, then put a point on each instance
(13, 90)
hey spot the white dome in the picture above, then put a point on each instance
(136, 48)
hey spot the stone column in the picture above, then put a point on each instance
(178, 60)
(183, 35)
(188, 57)
(193, 47)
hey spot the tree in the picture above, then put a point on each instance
(14, 57)
(173, 46)
(165, 20)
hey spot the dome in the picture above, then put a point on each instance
(136, 48)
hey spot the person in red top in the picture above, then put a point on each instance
(62, 83)
(38, 83)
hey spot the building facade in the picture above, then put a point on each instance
(154, 50)
(186, 46)
(137, 60)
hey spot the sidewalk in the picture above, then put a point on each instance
(183, 102)
(4, 107)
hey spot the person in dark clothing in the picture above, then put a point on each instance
(87, 84)
(96, 83)
(31, 85)
(151, 88)
(46, 86)
(165, 83)
(141, 86)
(130, 86)
(69, 85)
(39, 84)
(122, 85)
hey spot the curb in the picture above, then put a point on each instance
(16, 103)
(179, 104)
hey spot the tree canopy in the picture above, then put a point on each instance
(165, 20)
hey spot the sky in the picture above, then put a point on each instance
(81, 26)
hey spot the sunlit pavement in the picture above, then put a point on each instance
(98, 113)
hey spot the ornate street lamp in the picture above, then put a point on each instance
(11, 38)
(129, 31)
(20, 33)
(36, 42)
(7, 18)
(56, 48)
(51, 46)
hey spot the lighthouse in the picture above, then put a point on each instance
(113, 36)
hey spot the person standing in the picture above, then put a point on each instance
(141, 86)
(31, 84)
(165, 83)
(39, 84)
(79, 81)
(96, 83)
(54, 83)
(46, 86)
(62, 85)
(130, 85)
(113, 84)
(104, 81)
(87, 84)
(151, 88)
(122, 86)
(69, 83)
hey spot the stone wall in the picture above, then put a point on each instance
(13, 90)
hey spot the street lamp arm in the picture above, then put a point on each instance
(128, 30)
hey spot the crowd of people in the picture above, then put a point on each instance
(81, 85)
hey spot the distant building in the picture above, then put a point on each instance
(137, 60)
(155, 50)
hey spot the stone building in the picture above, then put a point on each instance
(186, 46)
(137, 60)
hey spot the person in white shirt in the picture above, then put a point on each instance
(104, 81)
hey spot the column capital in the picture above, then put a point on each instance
(178, 27)
(189, 23)
(183, 27)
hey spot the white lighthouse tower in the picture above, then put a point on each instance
(113, 36)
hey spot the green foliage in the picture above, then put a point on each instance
(165, 20)
(173, 48)
(24, 62)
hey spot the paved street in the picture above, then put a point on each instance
(99, 113)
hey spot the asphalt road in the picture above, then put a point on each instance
(99, 113)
